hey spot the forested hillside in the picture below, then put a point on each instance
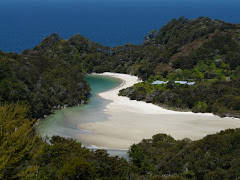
(204, 51)
(201, 49)
(23, 155)
(215, 157)
(182, 49)
(41, 82)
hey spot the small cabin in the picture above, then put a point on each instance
(191, 83)
(181, 82)
(160, 82)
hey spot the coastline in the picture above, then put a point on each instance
(130, 121)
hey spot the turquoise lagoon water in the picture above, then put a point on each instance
(64, 121)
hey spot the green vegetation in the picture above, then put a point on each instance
(23, 155)
(213, 157)
(40, 82)
(200, 50)
(19, 144)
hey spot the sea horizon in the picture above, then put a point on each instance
(105, 22)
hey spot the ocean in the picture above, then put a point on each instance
(24, 23)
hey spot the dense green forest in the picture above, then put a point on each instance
(215, 157)
(204, 51)
(23, 155)
(51, 76)
(40, 82)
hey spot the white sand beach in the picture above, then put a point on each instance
(131, 121)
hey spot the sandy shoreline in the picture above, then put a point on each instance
(130, 121)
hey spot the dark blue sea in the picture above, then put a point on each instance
(24, 23)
